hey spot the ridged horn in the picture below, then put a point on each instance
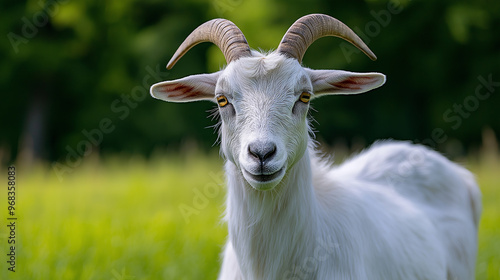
(308, 29)
(223, 33)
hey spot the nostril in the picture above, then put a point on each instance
(270, 153)
(262, 150)
(253, 153)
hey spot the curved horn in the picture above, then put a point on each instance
(222, 32)
(308, 29)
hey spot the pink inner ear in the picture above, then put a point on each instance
(180, 91)
(355, 83)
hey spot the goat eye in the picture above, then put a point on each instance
(305, 97)
(222, 100)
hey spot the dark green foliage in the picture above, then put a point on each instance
(68, 65)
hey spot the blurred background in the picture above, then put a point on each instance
(66, 65)
(75, 78)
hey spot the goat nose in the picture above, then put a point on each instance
(262, 150)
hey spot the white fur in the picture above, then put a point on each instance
(396, 211)
(366, 219)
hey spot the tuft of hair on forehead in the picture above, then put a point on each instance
(262, 64)
(262, 72)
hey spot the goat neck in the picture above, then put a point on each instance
(265, 226)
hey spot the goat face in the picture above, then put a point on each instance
(263, 113)
(263, 99)
(263, 103)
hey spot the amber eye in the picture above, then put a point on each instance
(222, 100)
(305, 97)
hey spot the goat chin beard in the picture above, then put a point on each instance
(264, 182)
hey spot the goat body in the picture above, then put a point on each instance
(395, 211)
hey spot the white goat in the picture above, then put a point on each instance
(396, 211)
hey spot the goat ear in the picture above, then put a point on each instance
(326, 82)
(190, 88)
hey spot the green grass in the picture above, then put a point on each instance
(488, 259)
(122, 218)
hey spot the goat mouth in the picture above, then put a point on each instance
(263, 178)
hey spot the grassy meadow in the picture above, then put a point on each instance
(129, 218)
